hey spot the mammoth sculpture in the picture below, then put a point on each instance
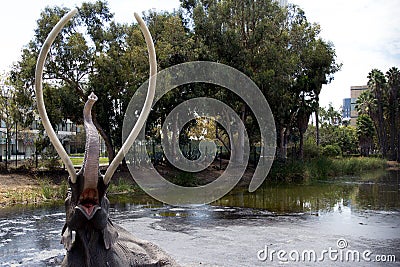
(89, 236)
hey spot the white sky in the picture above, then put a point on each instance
(366, 33)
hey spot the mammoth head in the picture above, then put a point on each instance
(86, 203)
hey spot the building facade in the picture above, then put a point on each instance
(21, 142)
(349, 104)
(282, 3)
(346, 109)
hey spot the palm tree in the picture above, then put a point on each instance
(365, 132)
(366, 104)
(393, 81)
(377, 85)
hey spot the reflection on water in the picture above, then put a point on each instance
(292, 198)
(370, 192)
(30, 236)
(378, 193)
(382, 193)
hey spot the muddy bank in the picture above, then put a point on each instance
(43, 186)
(24, 187)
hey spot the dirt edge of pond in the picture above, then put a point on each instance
(393, 166)
(49, 186)
(30, 187)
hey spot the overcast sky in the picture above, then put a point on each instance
(366, 33)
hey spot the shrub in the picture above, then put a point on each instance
(323, 167)
(121, 186)
(311, 150)
(320, 168)
(47, 189)
(287, 171)
(62, 189)
(357, 165)
(331, 151)
(185, 179)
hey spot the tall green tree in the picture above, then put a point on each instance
(393, 82)
(276, 47)
(365, 132)
(95, 54)
(70, 61)
(7, 107)
(381, 103)
(123, 67)
(16, 118)
(377, 86)
(366, 104)
(330, 116)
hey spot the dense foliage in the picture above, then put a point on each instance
(278, 48)
(336, 138)
(379, 107)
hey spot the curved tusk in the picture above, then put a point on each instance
(39, 94)
(147, 104)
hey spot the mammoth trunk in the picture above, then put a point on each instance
(92, 148)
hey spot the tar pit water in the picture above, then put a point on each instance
(347, 221)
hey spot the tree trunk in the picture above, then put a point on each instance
(165, 137)
(381, 126)
(317, 125)
(394, 112)
(240, 147)
(282, 149)
(175, 136)
(393, 137)
(285, 141)
(220, 138)
(302, 123)
(383, 135)
(301, 146)
(282, 143)
(227, 130)
(398, 148)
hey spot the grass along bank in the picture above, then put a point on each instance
(25, 189)
(17, 189)
(323, 168)
(22, 189)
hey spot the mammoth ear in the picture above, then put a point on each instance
(110, 235)
(68, 238)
